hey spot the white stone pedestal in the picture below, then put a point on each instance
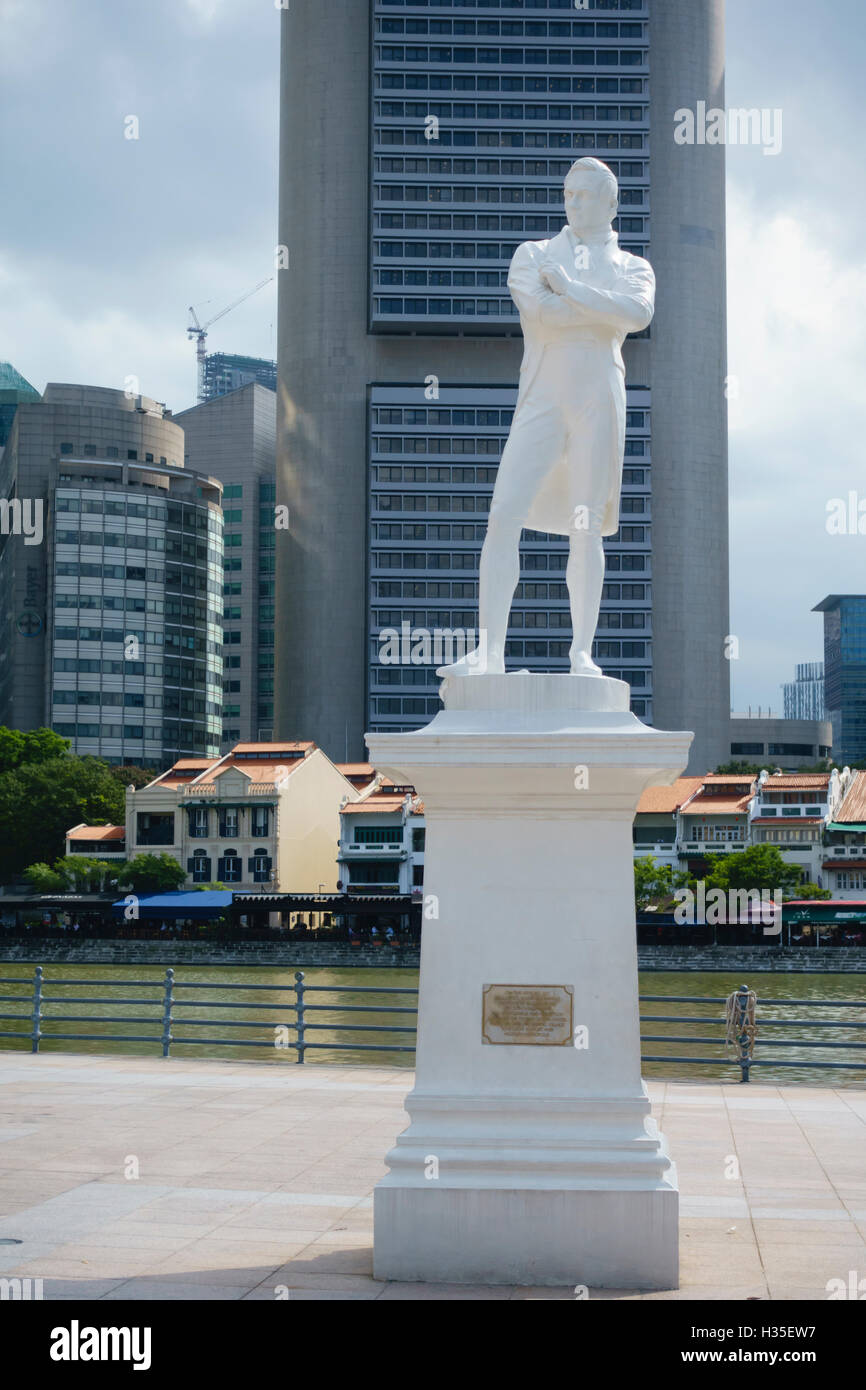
(533, 1161)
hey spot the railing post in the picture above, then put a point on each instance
(36, 1033)
(168, 1001)
(299, 990)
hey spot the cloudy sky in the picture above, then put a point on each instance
(106, 241)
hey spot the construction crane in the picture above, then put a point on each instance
(199, 331)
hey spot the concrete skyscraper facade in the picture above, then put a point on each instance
(111, 594)
(420, 144)
(233, 437)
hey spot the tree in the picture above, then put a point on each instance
(85, 874)
(36, 746)
(152, 873)
(801, 891)
(40, 801)
(655, 883)
(128, 775)
(756, 868)
(71, 874)
(43, 879)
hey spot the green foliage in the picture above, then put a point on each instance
(801, 891)
(130, 776)
(758, 867)
(37, 746)
(742, 769)
(86, 875)
(40, 801)
(43, 879)
(209, 888)
(655, 883)
(71, 874)
(152, 873)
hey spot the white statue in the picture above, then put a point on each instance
(579, 296)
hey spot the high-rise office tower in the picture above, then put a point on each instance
(224, 372)
(804, 696)
(233, 437)
(421, 143)
(845, 673)
(14, 391)
(110, 579)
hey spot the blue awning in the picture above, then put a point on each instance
(199, 906)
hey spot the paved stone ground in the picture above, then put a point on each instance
(253, 1176)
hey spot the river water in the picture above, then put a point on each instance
(86, 1009)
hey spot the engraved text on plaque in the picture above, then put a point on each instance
(528, 1015)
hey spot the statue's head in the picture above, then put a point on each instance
(591, 197)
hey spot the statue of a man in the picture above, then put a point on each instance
(579, 296)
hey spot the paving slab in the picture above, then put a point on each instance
(129, 1178)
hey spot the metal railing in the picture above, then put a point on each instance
(45, 1006)
(170, 1002)
(747, 1061)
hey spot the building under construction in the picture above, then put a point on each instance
(224, 372)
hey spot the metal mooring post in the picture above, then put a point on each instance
(299, 990)
(744, 1040)
(168, 1001)
(35, 1033)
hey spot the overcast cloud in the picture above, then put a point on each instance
(105, 241)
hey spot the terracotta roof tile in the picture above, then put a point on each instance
(257, 771)
(853, 808)
(658, 800)
(717, 806)
(97, 832)
(797, 781)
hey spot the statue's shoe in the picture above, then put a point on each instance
(477, 663)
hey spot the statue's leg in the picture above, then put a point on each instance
(534, 447)
(584, 576)
(591, 446)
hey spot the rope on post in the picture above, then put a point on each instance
(741, 1027)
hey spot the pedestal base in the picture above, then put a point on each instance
(531, 1156)
(529, 1190)
(601, 1239)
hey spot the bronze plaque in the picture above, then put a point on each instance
(528, 1015)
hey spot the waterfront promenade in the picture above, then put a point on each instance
(130, 1178)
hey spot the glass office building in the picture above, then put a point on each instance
(845, 673)
(233, 438)
(111, 627)
(803, 697)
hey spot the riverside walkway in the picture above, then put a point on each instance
(128, 1178)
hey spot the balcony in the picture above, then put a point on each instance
(352, 849)
(211, 792)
